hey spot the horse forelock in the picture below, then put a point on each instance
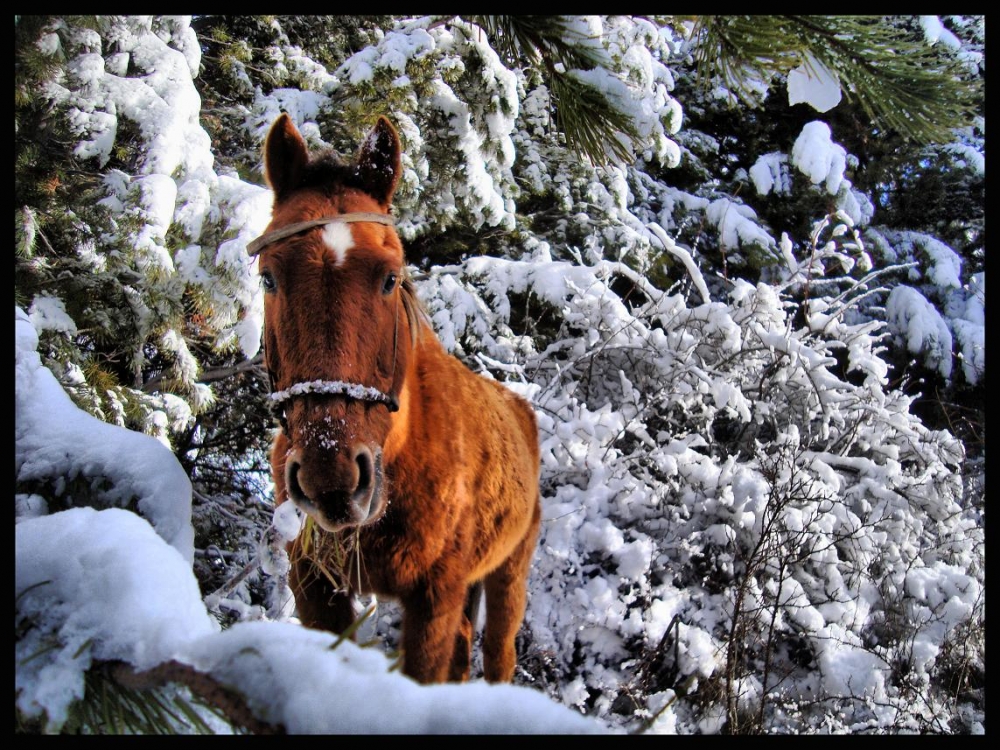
(326, 173)
(329, 175)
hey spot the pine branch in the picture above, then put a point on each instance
(206, 687)
(900, 81)
(593, 126)
(538, 39)
(212, 374)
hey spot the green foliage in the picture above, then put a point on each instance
(59, 224)
(242, 54)
(109, 707)
(593, 126)
(902, 83)
(937, 195)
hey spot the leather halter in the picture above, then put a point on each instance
(354, 391)
(273, 236)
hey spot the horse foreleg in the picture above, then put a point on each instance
(461, 658)
(461, 661)
(433, 624)
(506, 597)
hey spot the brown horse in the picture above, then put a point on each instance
(387, 440)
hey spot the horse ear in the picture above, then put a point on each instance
(285, 156)
(378, 166)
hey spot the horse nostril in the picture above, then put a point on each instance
(292, 485)
(366, 470)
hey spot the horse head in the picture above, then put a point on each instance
(338, 320)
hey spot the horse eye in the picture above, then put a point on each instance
(268, 281)
(389, 284)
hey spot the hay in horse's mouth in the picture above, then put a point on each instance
(330, 553)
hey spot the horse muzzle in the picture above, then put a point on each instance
(339, 491)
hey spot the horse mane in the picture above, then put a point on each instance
(416, 313)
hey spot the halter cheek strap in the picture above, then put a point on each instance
(354, 391)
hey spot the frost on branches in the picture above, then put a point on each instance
(716, 465)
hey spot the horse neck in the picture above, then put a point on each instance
(426, 350)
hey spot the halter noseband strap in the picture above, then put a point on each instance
(350, 390)
(338, 387)
(273, 236)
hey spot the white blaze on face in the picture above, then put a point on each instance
(339, 239)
